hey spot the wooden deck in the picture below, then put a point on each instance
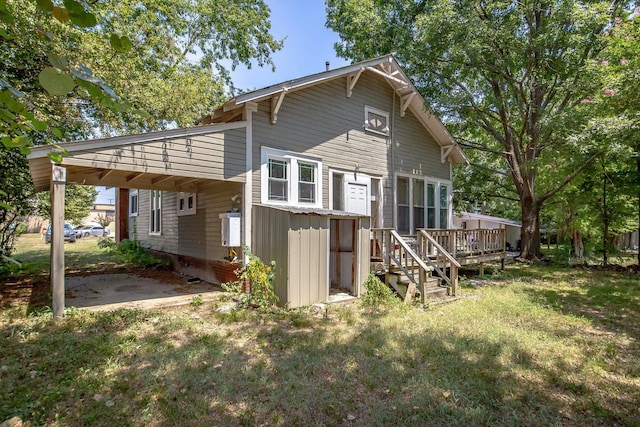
(433, 254)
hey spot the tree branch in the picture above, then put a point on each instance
(569, 178)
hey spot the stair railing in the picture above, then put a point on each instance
(407, 260)
(439, 259)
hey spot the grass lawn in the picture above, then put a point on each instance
(529, 346)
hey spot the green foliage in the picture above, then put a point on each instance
(197, 301)
(260, 277)
(131, 252)
(79, 200)
(16, 192)
(378, 293)
(105, 220)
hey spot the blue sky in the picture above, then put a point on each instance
(308, 44)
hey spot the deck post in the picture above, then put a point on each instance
(57, 188)
(481, 272)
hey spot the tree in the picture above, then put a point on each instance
(515, 71)
(79, 200)
(618, 105)
(165, 56)
(14, 177)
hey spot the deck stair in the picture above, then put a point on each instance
(427, 264)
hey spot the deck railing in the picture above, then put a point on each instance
(394, 250)
(466, 243)
(443, 263)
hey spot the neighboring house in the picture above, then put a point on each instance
(475, 221)
(35, 223)
(299, 172)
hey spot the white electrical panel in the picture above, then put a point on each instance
(231, 229)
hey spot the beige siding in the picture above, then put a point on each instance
(322, 122)
(196, 235)
(212, 156)
(215, 201)
(167, 241)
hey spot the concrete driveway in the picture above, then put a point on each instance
(105, 292)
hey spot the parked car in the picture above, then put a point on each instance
(93, 230)
(69, 233)
(78, 231)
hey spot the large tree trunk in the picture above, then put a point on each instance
(530, 231)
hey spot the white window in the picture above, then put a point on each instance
(155, 212)
(186, 204)
(133, 202)
(376, 120)
(290, 179)
(422, 202)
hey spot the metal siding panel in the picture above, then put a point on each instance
(312, 261)
(295, 275)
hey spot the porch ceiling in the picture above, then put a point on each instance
(83, 175)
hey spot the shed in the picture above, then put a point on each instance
(473, 221)
(319, 253)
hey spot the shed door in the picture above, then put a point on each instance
(357, 200)
(342, 262)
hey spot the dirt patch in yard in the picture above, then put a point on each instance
(35, 290)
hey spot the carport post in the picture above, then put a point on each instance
(58, 182)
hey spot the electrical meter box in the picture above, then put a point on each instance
(231, 229)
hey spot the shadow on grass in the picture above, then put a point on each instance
(609, 300)
(193, 368)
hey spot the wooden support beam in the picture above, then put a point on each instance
(276, 103)
(388, 76)
(352, 79)
(57, 188)
(122, 214)
(445, 151)
(105, 174)
(134, 176)
(161, 178)
(405, 101)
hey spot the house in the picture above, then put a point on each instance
(299, 172)
(35, 223)
(475, 221)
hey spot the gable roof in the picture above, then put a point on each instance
(385, 66)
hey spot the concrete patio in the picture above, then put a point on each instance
(106, 292)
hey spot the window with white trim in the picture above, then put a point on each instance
(421, 202)
(155, 212)
(376, 120)
(186, 204)
(404, 213)
(290, 179)
(133, 202)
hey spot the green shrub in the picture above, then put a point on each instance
(260, 277)
(378, 293)
(131, 251)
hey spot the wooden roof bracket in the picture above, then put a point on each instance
(105, 173)
(276, 103)
(134, 176)
(405, 100)
(352, 79)
(161, 178)
(388, 76)
(445, 151)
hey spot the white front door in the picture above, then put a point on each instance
(356, 198)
